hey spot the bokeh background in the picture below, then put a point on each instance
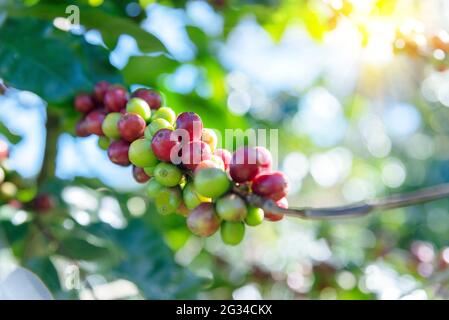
(357, 89)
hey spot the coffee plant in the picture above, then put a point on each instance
(134, 188)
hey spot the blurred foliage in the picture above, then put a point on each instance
(104, 235)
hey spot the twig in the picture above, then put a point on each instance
(351, 210)
(53, 131)
(3, 88)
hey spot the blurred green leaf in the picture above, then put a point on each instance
(78, 248)
(45, 269)
(146, 69)
(149, 263)
(12, 138)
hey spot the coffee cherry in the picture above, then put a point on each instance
(264, 159)
(43, 203)
(110, 125)
(191, 197)
(208, 164)
(84, 103)
(139, 175)
(162, 144)
(211, 182)
(270, 216)
(270, 185)
(254, 217)
(210, 137)
(232, 233)
(104, 142)
(165, 113)
(243, 166)
(115, 98)
(193, 153)
(225, 155)
(131, 126)
(2, 175)
(4, 150)
(141, 155)
(149, 171)
(155, 126)
(151, 97)
(231, 208)
(153, 188)
(100, 90)
(8, 191)
(94, 121)
(168, 200)
(203, 220)
(118, 152)
(167, 174)
(140, 107)
(191, 122)
(81, 129)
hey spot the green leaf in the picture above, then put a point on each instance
(111, 26)
(46, 271)
(148, 262)
(12, 138)
(146, 69)
(78, 248)
(53, 64)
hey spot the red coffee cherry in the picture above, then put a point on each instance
(94, 120)
(100, 90)
(151, 97)
(194, 152)
(118, 153)
(139, 175)
(272, 185)
(243, 166)
(81, 129)
(43, 203)
(225, 155)
(191, 122)
(270, 216)
(131, 126)
(203, 220)
(4, 150)
(115, 98)
(84, 103)
(264, 159)
(162, 144)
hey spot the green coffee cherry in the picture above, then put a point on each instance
(104, 142)
(155, 126)
(149, 171)
(140, 107)
(254, 216)
(232, 233)
(141, 155)
(153, 188)
(109, 125)
(191, 197)
(168, 200)
(165, 113)
(211, 182)
(210, 137)
(231, 208)
(167, 174)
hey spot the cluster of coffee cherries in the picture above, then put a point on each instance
(12, 188)
(415, 43)
(179, 161)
